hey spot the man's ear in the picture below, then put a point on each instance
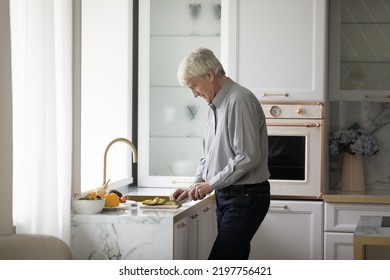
(210, 75)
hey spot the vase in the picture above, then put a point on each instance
(352, 173)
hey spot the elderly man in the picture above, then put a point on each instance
(234, 163)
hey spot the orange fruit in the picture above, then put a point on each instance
(91, 195)
(112, 200)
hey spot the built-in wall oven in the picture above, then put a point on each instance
(295, 156)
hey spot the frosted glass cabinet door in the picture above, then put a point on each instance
(359, 46)
(279, 49)
(171, 120)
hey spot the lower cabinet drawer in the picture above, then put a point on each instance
(343, 217)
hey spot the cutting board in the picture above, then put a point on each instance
(142, 206)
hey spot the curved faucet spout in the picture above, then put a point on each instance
(124, 140)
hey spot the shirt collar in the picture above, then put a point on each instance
(217, 101)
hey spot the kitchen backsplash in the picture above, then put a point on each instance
(375, 118)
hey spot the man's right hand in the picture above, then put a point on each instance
(179, 195)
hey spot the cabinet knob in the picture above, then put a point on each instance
(300, 110)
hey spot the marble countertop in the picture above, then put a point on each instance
(131, 212)
(371, 226)
(358, 197)
(344, 197)
(131, 232)
(372, 230)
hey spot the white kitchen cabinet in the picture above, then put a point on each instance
(359, 60)
(171, 120)
(276, 48)
(292, 230)
(180, 233)
(207, 230)
(343, 217)
(340, 220)
(338, 245)
(194, 235)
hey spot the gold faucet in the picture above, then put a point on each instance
(128, 142)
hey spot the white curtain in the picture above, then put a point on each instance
(41, 32)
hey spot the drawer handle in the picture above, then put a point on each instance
(279, 207)
(206, 209)
(376, 96)
(181, 225)
(285, 94)
(295, 124)
(194, 216)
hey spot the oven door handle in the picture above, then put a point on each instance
(295, 124)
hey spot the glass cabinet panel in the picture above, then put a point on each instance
(365, 45)
(171, 146)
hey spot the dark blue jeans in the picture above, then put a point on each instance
(239, 216)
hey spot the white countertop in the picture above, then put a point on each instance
(130, 232)
(130, 212)
(371, 226)
(371, 231)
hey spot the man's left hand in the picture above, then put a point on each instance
(199, 190)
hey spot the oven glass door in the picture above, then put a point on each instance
(287, 157)
(295, 157)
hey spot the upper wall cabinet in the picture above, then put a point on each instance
(276, 48)
(359, 44)
(171, 120)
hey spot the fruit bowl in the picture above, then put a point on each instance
(87, 206)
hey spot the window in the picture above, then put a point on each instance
(105, 102)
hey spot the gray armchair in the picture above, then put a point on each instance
(33, 247)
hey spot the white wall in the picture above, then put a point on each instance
(5, 122)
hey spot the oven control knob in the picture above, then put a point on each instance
(300, 110)
(275, 111)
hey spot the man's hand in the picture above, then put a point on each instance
(199, 190)
(179, 195)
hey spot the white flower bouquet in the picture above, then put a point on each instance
(354, 141)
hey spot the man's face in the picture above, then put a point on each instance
(202, 87)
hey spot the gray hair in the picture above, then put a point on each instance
(197, 63)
